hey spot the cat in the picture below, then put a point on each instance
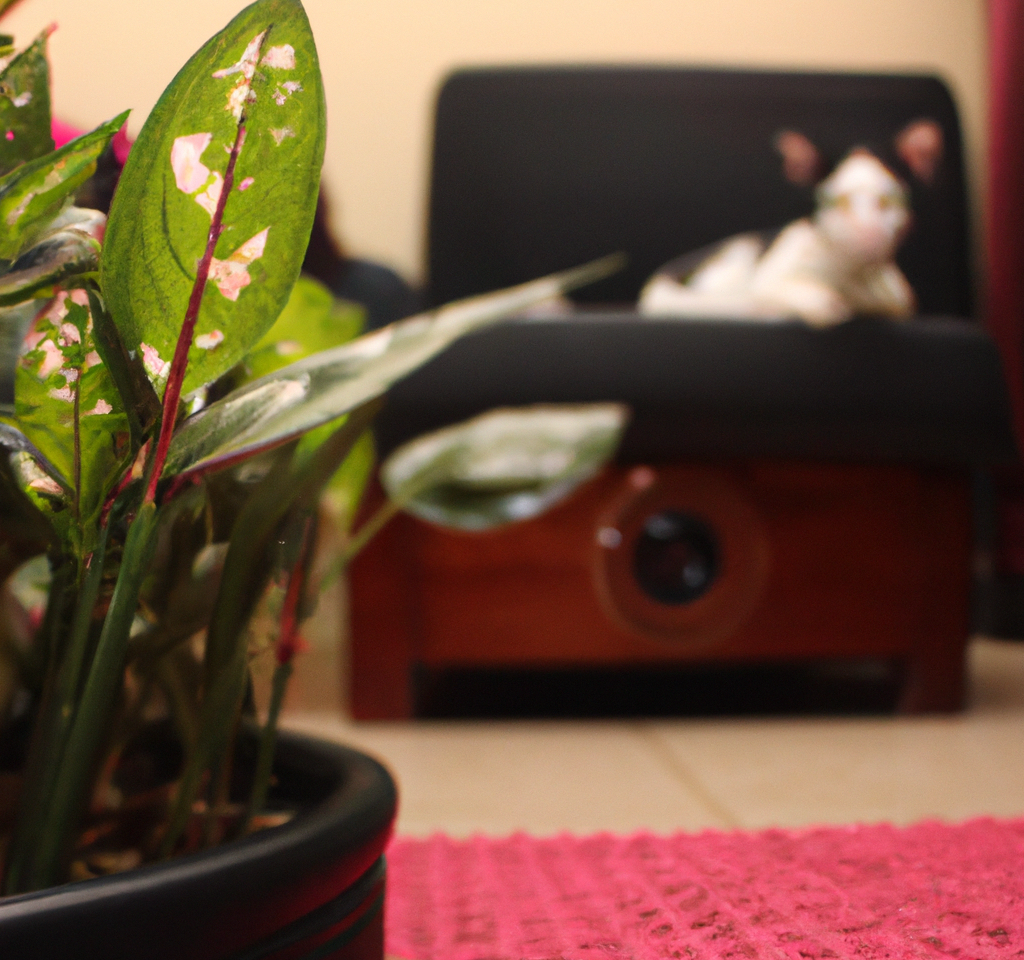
(822, 269)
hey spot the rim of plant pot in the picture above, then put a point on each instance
(314, 884)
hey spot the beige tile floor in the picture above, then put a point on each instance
(665, 775)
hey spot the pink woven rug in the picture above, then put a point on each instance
(932, 890)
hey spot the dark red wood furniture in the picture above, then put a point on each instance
(820, 481)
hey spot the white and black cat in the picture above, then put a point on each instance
(824, 268)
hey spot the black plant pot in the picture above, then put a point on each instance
(313, 888)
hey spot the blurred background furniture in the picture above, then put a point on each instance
(1004, 600)
(821, 480)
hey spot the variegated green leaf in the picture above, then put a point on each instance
(327, 385)
(504, 466)
(24, 531)
(14, 324)
(312, 320)
(61, 381)
(142, 406)
(31, 582)
(254, 90)
(25, 106)
(34, 193)
(69, 247)
(48, 493)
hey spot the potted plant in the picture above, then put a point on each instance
(162, 461)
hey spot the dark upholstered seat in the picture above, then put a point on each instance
(538, 169)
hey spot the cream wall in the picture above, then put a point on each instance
(384, 59)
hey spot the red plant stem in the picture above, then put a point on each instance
(181, 481)
(122, 485)
(195, 475)
(288, 642)
(188, 326)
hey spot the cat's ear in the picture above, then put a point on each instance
(920, 145)
(802, 162)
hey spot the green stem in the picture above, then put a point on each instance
(219, 790)
(365, 534)
(286, 648)
(69, 680)
(78, 453)
(182, 708)
(370, 529)
(268, 741)
(242, 582)
(45, 865)
(294, 484)
(221, 701)
(56, 716)
(384, 513)
(59, 604)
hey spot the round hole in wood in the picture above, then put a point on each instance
(680, 554)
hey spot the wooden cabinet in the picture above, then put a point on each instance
(746, 561)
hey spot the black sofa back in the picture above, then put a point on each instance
(538, 169)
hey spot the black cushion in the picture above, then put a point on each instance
(539, 169)
(867, 390)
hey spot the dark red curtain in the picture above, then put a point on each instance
(1005, 243)
(1006, 196)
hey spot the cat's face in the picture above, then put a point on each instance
(862, 208)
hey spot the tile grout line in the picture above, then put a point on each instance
(686, 777)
